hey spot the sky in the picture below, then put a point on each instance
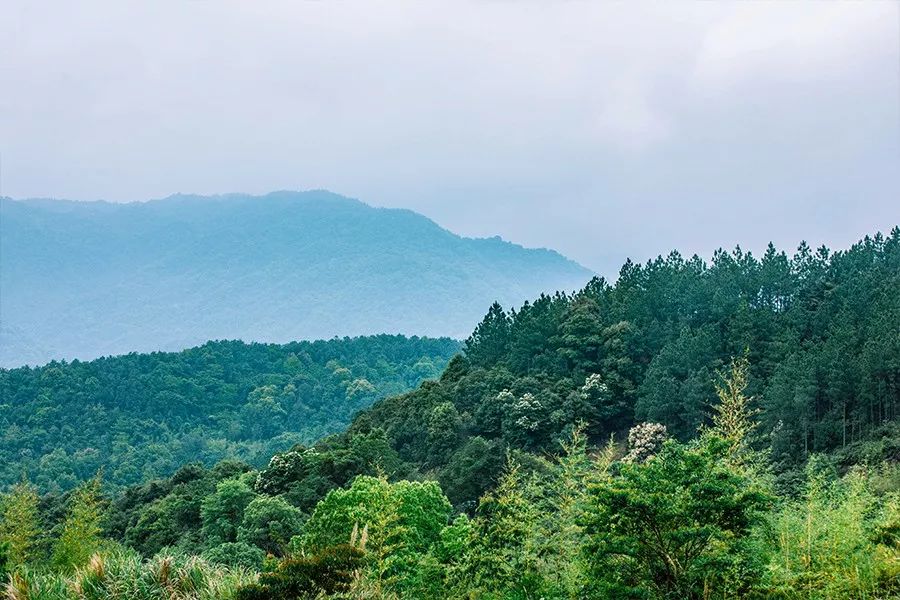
(603, 130)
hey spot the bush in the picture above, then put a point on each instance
(330, 571)
(839, 540)
(675, 526)
(270, 523)
(236, 554)
(5, 562)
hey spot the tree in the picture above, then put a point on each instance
(471, 471)
(80, 535)
(262, 415)
(399, 521)
(488, 342)
(677, 389)
(525, 420)
(500, 558)
(674, 526)
(644, 441)
(283, 469)
(580, 336)
(236, 554)
(19, 522)
(269, 523)
(839, 539)
(559, 534)
(733, 419)
(597, 406)
(223, 511)
(444, 428)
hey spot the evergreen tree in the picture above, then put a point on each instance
(489, 341)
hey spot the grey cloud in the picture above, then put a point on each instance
(599, 129)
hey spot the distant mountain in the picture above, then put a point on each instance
(85, 279)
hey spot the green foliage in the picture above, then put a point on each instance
(397, 521)
(501, 557)
(329, 571)
(270, 523)
(649, 348)
(79, 537)
(6, 563)
(677, 387)
(19, 524)
(560, 534)
(839, 540)
(675, 526)
(223, 511)
(142, 416)
(305, 475)
(167, 513)
(236, 555)
(444, 429)
(471, 471)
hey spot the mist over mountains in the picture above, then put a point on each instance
(85, 279)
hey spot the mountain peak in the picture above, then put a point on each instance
(84, 279)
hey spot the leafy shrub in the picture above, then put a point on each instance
(236, 554)
(839, 540)
(5, 562)
(675, 526)
(329, 571)
(270, 523)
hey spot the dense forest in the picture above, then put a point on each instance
(88, 279)
(694, 430)
(142, 416)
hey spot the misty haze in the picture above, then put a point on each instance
(450, 300)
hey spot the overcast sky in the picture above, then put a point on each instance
(600, 129)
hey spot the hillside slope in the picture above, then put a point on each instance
(141, 416)
(85, 279)
(509, 436)
(819, 330)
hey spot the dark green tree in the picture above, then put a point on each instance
(674, 526)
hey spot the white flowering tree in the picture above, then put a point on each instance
(644, 441)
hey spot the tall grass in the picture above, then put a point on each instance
(123, 575)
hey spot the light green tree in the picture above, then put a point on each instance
(269, 523)
(19, 522)
(674, 526)
(395, 523)
(502, 557)
(80, 535)
(838, 540)
(559, 534)
(223, 511)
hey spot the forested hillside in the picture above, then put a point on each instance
(87, 279)
(141, 416)
(695, 430)
(821, 332)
